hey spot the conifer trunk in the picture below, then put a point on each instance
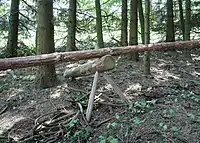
(12, 43)
(124, 24)
(170, 35)
(45, 42)
(141, 17)
(99, 24)
(147, 38)
(182, 26)
(133, 34)
(187, 26)
(71, 37)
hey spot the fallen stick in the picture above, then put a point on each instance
(110, 104)
(81, 110)
(116, 88)
(4, 109)
(107, 120)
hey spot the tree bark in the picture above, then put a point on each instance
(147, 38)
(170, 35)
(133, 34)
(22, 62)
(187, 26)
(45, 42)
(124, 24)
(71, 37)
(99, 24)
(141, 17)
(13, 29)
(182, 26)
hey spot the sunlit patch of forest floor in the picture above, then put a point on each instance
(164, 107)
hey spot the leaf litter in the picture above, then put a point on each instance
(164, 106)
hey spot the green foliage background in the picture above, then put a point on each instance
(86, 33)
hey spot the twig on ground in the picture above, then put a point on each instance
(52, 122)
(4, 138)
(107, 120)
(61, 118)
(77, 90)
(55, 137)
(35, 104)
(147, 133)
(71, 119)
(53, 140)
(110, 104)
(110, 99)
(104, 121)
(81, 110)
(42, 132)
(4, 109)
(37, 123)
(50, 100)
(181, 139)
(29, 139)
(77, 100)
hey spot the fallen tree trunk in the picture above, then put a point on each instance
(103, 64)
(22, 62)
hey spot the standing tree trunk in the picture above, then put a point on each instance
(187, 26)
(13, 29)
(182, 26)
(124, 24)
(170, 22)
(45, 41)
(141, 17)
(133, 34)
(99, 24)
(71, 37)
(147, 38)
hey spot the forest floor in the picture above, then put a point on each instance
(164, 107)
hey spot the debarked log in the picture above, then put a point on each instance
(103, 64)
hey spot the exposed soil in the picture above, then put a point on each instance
(165, 107)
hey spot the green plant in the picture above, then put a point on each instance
(141, 106)
(163, 126)
(136, 121)
(190, 95)
(109, 139)
(75, 132)
(101, 139)
(81, 134)
(168, 113)
(174, 129)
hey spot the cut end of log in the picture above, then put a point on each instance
(108, 62)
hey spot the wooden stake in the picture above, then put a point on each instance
(92, 96)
